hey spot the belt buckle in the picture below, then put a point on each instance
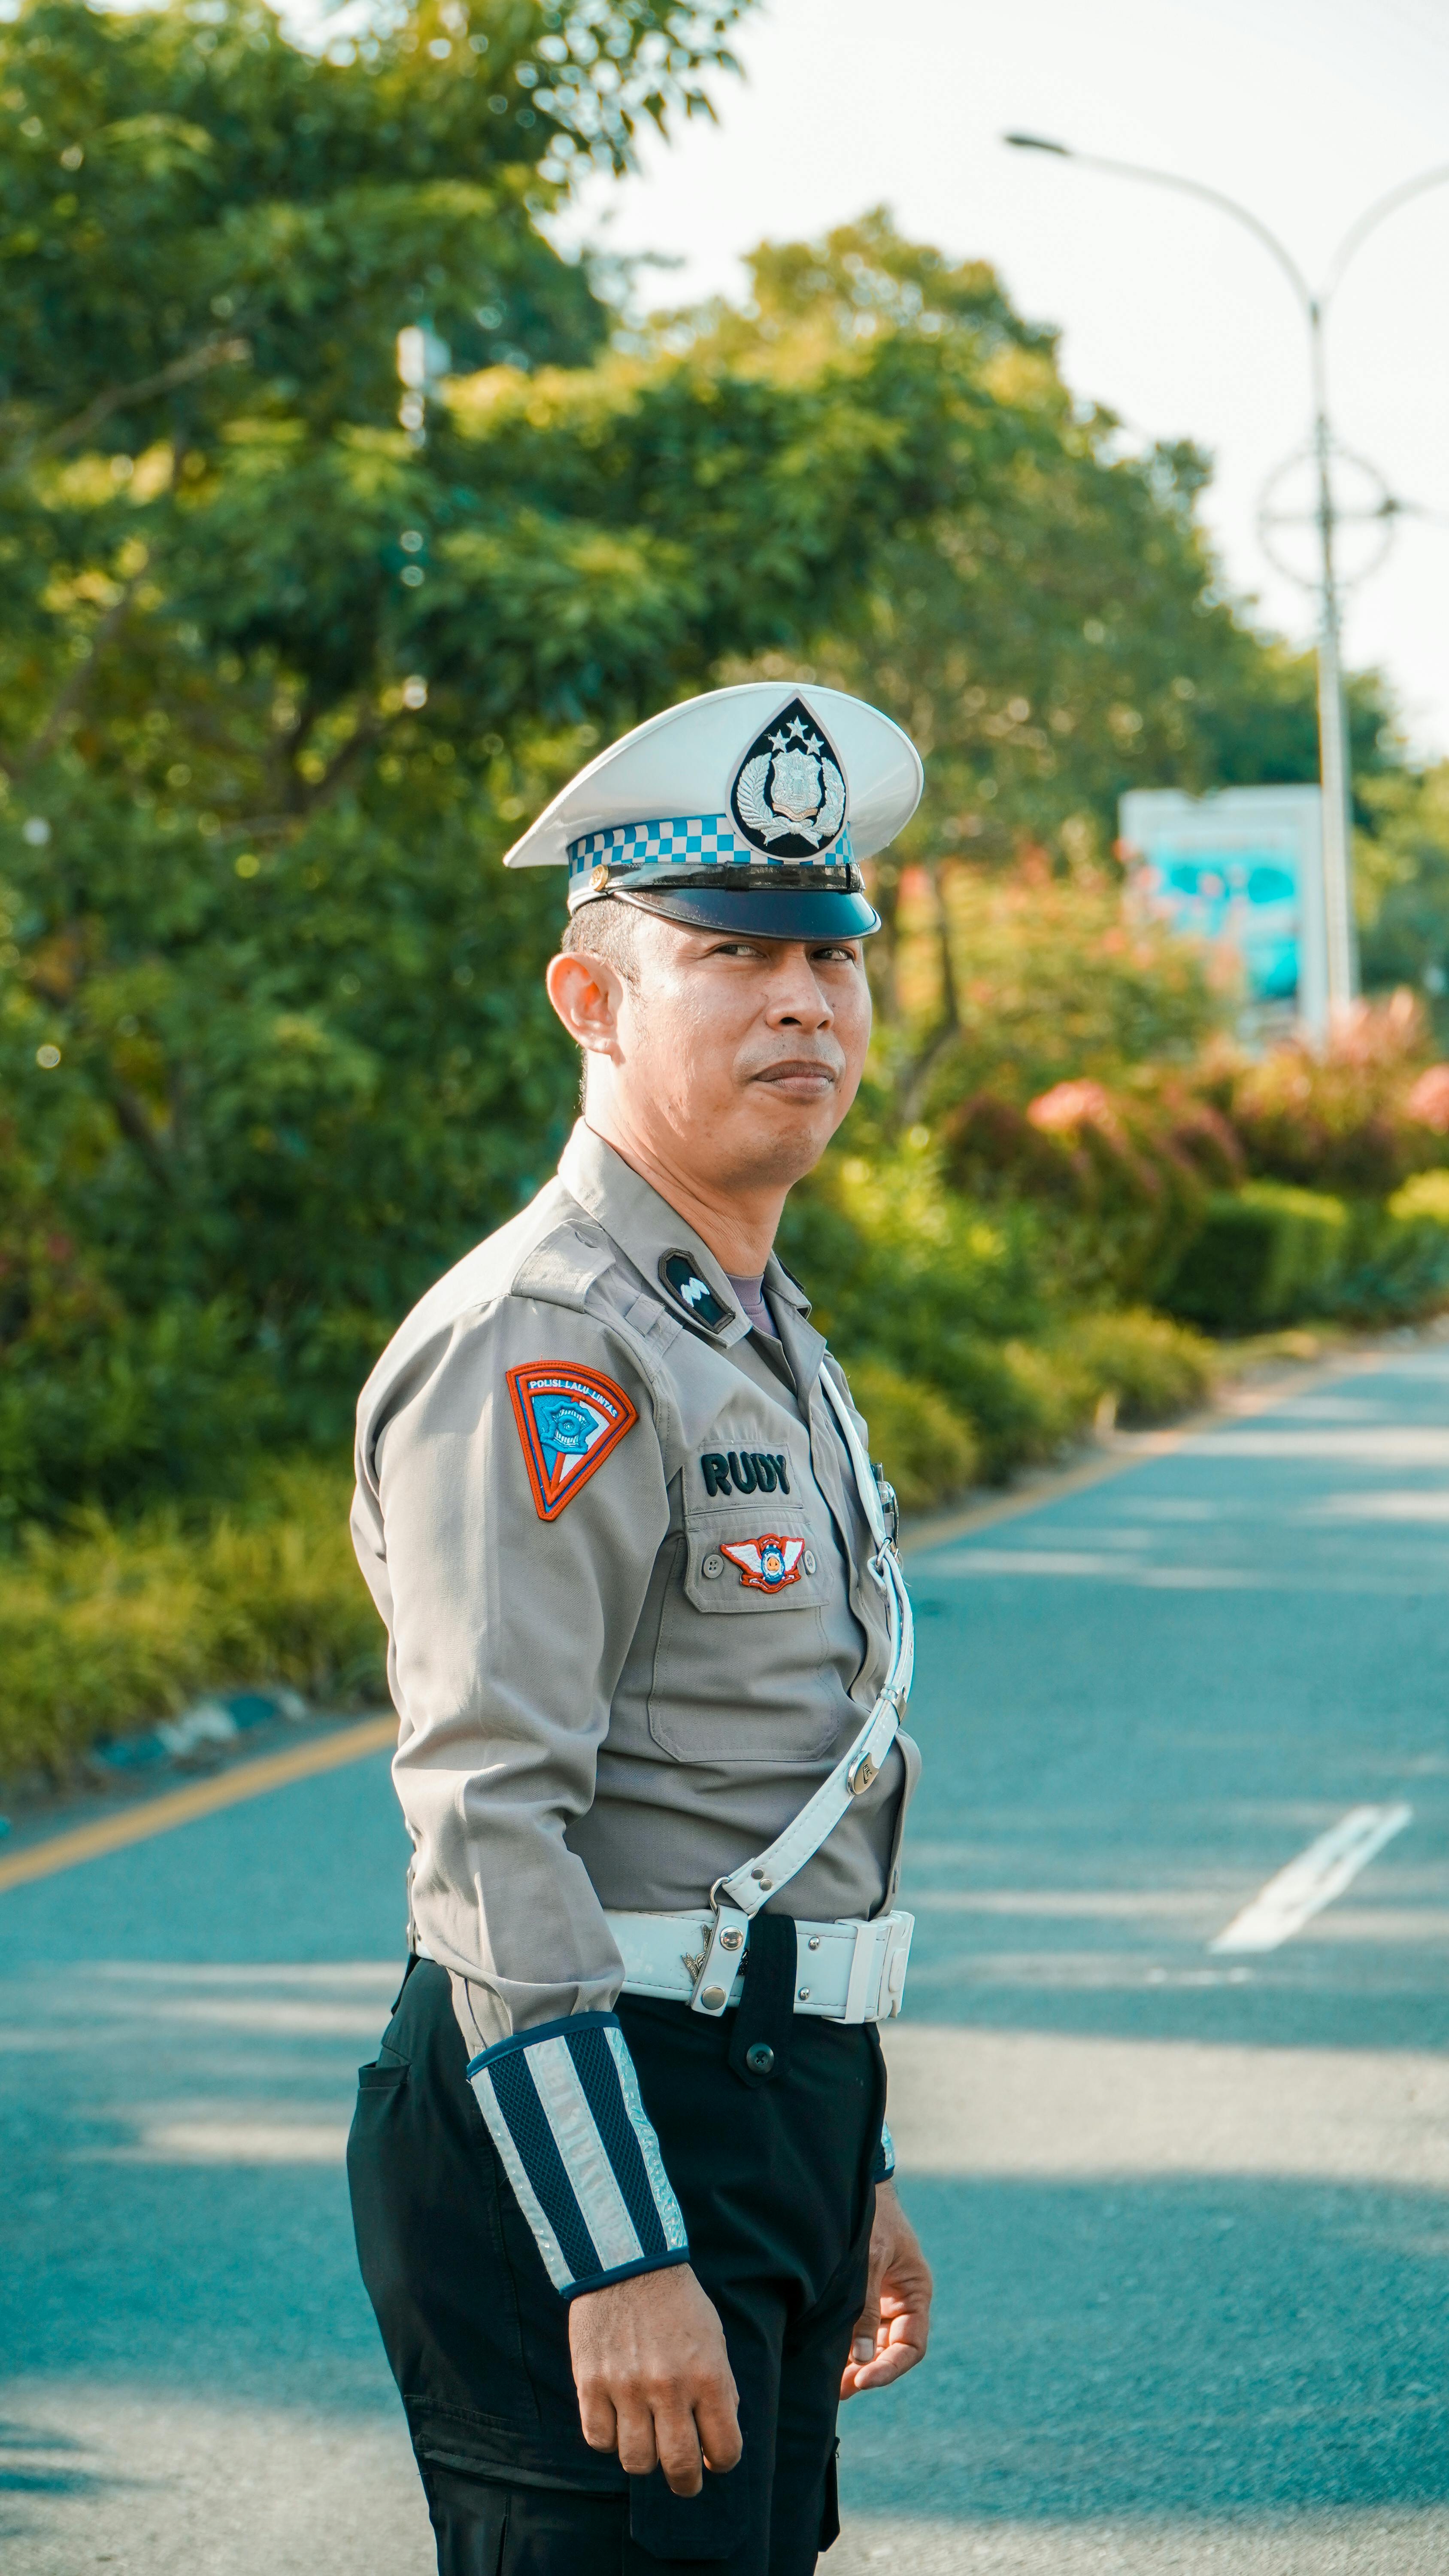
(877, 1980)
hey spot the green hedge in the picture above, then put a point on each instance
(104, 1627)
(1399, 1260)
(1151, 1367)
(928, 1451)
(1269, 1254)
(1265, 1254)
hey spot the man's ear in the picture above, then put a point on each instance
(588, 996)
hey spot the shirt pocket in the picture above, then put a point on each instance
(742, 1669)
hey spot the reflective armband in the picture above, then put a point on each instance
(885, 2157)
(564, 2111)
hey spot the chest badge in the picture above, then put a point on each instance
(569, 1419)
(694, 1294)
(767, 1563)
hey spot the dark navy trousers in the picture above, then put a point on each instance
(774, 2178)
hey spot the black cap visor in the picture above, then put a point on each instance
(789, 911)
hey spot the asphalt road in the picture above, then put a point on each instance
(1189, 2208)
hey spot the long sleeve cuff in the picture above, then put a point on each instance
(885, 2157)
(564, 2111)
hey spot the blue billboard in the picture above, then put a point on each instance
(1241, 871)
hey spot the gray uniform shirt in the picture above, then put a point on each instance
(601, 1708)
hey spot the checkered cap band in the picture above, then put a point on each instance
(686, 841)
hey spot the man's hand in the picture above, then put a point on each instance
(891, 2329)
(654, 2378)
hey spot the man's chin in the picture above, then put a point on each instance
(783, 1141)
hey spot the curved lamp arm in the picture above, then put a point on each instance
(1358, 233)
(1196, 188)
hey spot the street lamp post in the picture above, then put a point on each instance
(1333, 751)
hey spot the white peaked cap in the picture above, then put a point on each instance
(683, 766)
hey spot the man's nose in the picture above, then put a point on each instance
(797, 998)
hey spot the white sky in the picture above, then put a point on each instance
(1307, 109)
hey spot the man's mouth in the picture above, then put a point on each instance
(800, 1077)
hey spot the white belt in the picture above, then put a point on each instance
(844, 1971)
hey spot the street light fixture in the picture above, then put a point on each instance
(1327, 517)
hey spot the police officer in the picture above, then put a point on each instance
(620, 2172)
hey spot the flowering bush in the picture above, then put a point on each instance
(1125, 1172)
(951, 1317)
(1359, 1116)
(1428, 1101)
(1050, 986)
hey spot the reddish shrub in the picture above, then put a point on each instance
(1428, 1102)
(1358, 1117)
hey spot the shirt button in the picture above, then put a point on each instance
(712, 1566)
(809, 1561)
(760, 2058)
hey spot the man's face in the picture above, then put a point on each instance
(740, 1056)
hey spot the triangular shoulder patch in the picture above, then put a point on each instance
(569, 1419)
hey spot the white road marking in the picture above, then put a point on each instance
(1403, 1444)
(1428, 1507)
(374, 1974)
(274, 2016)
(968, 1563)
(967, 2101)
(1313, 1880)
(230, 2142)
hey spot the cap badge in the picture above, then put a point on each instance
(766, 1563)
(691, 1292)
(788, 798)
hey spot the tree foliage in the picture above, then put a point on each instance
(1402, 883)
(289, 655)
(1059, 632)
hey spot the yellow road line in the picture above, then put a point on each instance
(203, 1798)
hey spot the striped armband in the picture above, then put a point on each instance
(564, 2111)
(885, 2157)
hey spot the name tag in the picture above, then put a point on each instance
(745, 1471)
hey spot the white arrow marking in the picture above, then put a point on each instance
(1313, 1880)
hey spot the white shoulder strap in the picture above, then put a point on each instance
(741, 1895)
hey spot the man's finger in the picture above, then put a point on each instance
(866, 2327)
(637, 2445)
(716, 2412)
(597, 2416)
(907, 2346)
(678, 2447)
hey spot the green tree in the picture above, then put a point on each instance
(1402, 883)
(289, 653)
(249, 777)
(1058, 633)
